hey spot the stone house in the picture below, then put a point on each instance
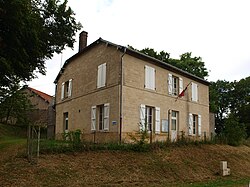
(109, 91)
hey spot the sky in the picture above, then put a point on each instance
(216, 30)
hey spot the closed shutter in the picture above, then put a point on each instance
(62, 91)
(190, 124)
(106, 117)
(99, 76)
(199, 125)
(194, 92)
(152, 78)
(93, 118)
(70, 88)
(142, 117)
(180, 85)
(157, 120)
(104, 67)
(170, 85)
(147, 77)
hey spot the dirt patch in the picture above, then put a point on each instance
(180, 165)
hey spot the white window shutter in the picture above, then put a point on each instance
(62, 91)
(104, 67)
(142, 117)
(199, 125)
(99, 76)
(147, 77)
(170, 85)
(190, 124)
(106, 117)
(152, 78)
(93, 118)
(70, 88)
(194, 92)
(180, 85)
(157, 120)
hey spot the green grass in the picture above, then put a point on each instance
(7, 141)
(11, 135)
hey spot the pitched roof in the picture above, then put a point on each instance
(135, 54)
(43, 95)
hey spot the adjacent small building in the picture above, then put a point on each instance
(42, 112)
(109, 92)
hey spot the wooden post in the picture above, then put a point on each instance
(38, 141)
(28, 143)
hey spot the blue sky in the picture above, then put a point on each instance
(216, 30)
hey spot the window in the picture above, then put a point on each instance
(175, 85)
(194, 124)
(194, 92)
(101, 75)
(149, 78)
(100, 116)
(174, 120)
(66, 89)
(65, 121)
(150, 118)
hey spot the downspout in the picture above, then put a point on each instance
(121, 93)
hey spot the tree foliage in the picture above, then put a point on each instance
(15, 106)
(193, 65)
(230, 100)
(31, 31)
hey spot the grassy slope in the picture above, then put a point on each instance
(180, 166)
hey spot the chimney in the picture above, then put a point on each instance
(82, 40)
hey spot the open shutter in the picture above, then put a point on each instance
(194, 92)
(142, 117)
(106, 117)
(157, 120)
(104, 67)
(170, 85)
(70, 88)
(190, 124)
(93, 118)
(199, 125)
(62, 91)
(180, 85)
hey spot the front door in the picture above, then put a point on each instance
(174, 126)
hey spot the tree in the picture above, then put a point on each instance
(220, 100)
(31, 31)
(193, 65)
(15, 106)
(240, 106)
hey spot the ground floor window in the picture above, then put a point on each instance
(65, 121)
(100, 117)
(195, 123)
(149, 118)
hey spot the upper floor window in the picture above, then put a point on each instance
(101, 75)
(194, 92)
(175, 85)
(66, 89)
(149, 77)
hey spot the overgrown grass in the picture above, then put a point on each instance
(7, 141)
